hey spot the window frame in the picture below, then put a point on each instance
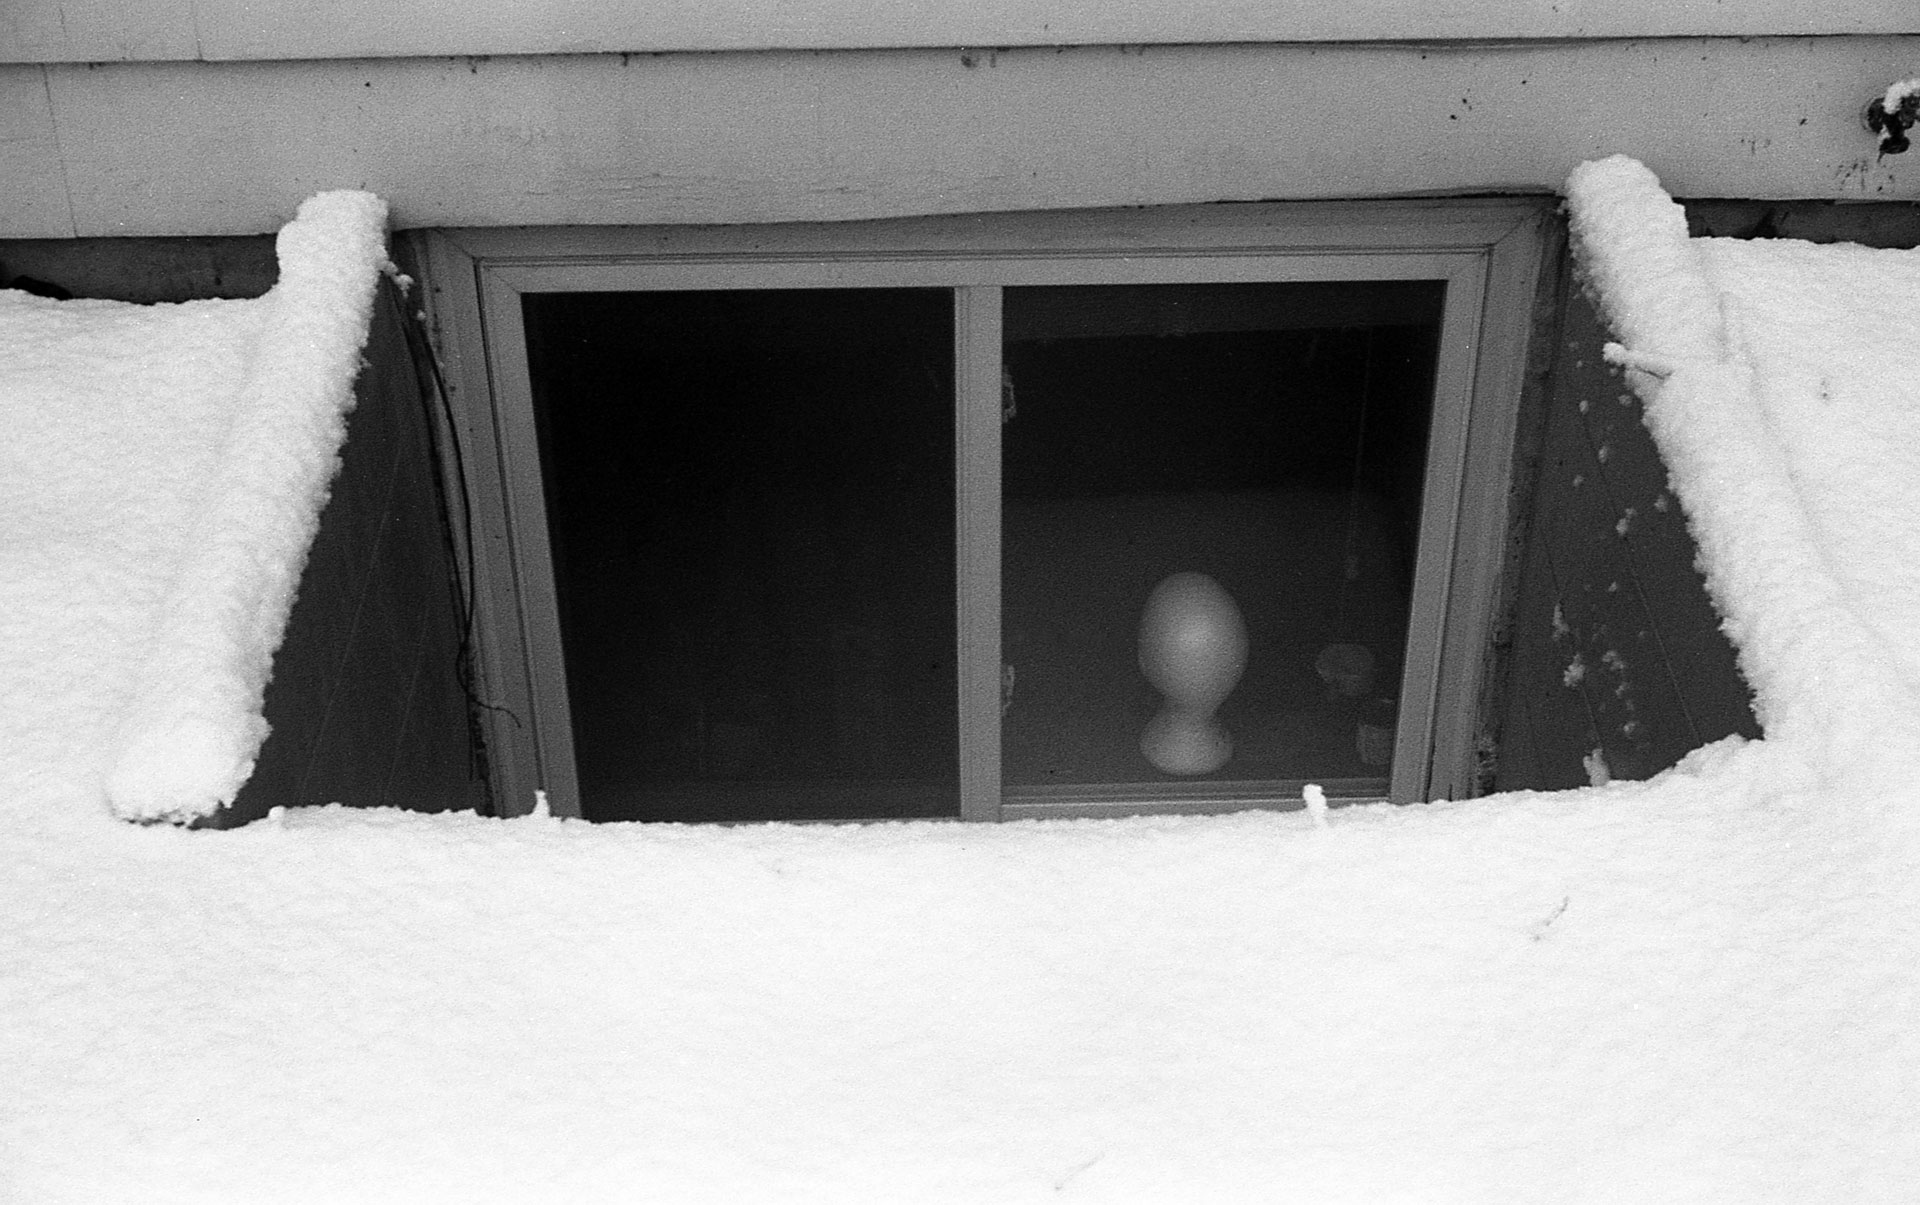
(1487, 250)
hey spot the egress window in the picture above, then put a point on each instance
(987, 518)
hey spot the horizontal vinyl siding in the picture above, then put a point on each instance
(202, 148)
(216, 30)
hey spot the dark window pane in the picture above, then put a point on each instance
(1268, 437)
(751, 507)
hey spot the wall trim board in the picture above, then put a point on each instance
(82, 31)
(203, 148)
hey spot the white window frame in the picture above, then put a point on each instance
(1488, 252)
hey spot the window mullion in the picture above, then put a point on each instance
(977, 368)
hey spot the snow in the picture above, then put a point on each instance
(1781, 382)
(1698, 988)
(161, 496)
(188, 740)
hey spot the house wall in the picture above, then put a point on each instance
(194, 147)
(108, 30)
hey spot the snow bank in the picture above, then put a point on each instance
(1642, 993)
(1782, 385)
(247, 402)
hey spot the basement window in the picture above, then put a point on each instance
(1036, 515)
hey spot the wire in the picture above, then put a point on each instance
(458, 535)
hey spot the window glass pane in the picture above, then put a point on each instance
(750, 499)
(1259, 450)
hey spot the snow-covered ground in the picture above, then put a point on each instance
(1702, 988)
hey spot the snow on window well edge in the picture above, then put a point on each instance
(193, 724)
(1825, 664)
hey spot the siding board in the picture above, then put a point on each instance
(36, 200)
(232, 148)
(112, 30)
